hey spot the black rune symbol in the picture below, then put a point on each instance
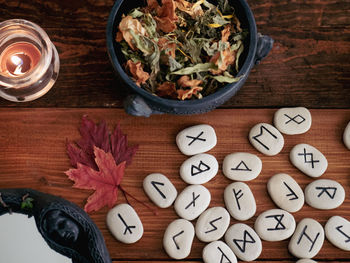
(198, 138)
(244, 241)
(127, 227)
(262, 129)
(202, 167)
(239, 168)
(279, 224)
(298, 119)
(312, 161)
(313, 241)
(330, 191)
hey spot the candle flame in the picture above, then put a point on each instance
(18, 62)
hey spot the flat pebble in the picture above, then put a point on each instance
(266, 139)
(244, 242)
(306, 260)
(160, 190)
(337, 231)
(285, 192)
(346, 136)
(218, 252)
(275, 225)
(124, 223)
(199, 169)
(196, 139)
(307, 239)
(324, 194)
(308, 159)
(212, 224)
(293, 120)
(241, 166)
(178, 238)
(192, 201)
(239, 201)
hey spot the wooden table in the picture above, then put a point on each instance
(308, 66)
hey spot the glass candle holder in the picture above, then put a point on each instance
(29, 62)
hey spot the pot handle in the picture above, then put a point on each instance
(265, 44)
(135, 105)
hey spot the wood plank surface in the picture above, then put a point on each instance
(33, 155)
(309, 64)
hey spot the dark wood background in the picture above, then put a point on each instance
(308, 65)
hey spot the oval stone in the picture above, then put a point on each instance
(178, 238)
(346, 136)
(192, 201)
(324, 194)
(124, 223)
(337, 231)
(241, 166)
(218, 252)
(285, 192)
(212, 224)
(307, 239)
(266, 139)
(293, 120)
(196, 139)
(160, 190)
(275, 225)
(199, 169)
(239, 201)
(306, 260)
(243, 241)
(308, 159)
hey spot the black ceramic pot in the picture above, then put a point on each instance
(143, 103)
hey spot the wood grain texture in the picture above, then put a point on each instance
(308, 66)
(32, 154)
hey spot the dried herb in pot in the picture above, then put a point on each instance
(182, 49)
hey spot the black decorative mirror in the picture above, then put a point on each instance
(65, 227)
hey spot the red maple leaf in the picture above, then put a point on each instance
(106, 181)
(97, 135)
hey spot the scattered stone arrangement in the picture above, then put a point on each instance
(242, 241)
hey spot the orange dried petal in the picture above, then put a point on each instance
(187, 94)
(227, 57)
(185, 82)
(128, 23)
(189, 8)
(165, 24)
(225, 33)
(167, 10)
(137, 72)
(167, 90)
(152, 4)
(163, 43)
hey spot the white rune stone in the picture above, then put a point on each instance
(307, 239)
(293, 120)
(212, 224)
(285, 192)
(196, 139)
(199, 169)
(266, 139)
(275, 225)
(243, 241)
(218, 252)
(192, 201)
(241, 166)
(337, 231)
(308, 159)
(178, 238)
(306, 260)
(124, 224)
(324, 194)
(239, 201)
(159, 189)
(346, 136)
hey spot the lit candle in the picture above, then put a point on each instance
(19, 59)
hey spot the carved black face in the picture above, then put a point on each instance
(61, 228)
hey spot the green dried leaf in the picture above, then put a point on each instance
(136, 13)
(174, 65)
(201, 67)
(227, 79)
(27, 203)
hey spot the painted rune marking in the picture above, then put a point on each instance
(262, 128)
(279, 225)
(238, 196)
(127, 227)
(292, 193)
(327, 190)
(313, 241)
(312, 161)
(344, 234)
(223, 255)
(154, 183)
(295, 119)
(193, 202)
(238, 167)
(245, 240)
(212, 224)
(198, 138)
(202, 167)
(178, 234)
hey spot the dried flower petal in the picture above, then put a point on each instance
(186, 82)
(165, 24)
(167, 90)
(225, 33)
(187, 94)
(137, 72)
(223, 59)
(194, 10)
(126, 25)
(167, 10)
(169, 47)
